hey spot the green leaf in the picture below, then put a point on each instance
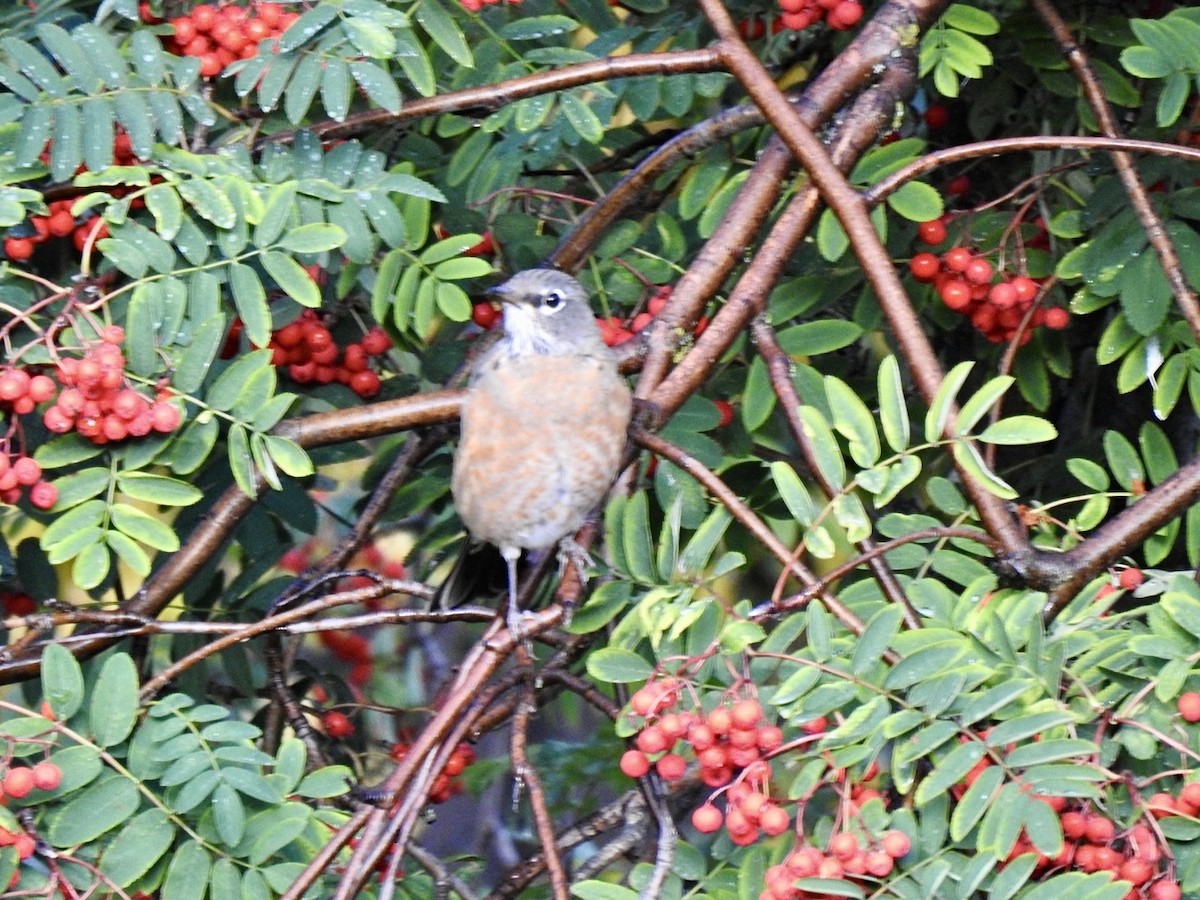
(308, 26)
(943, 401)
(372, 38)
(316, 237)
(968, 457)
(198, 356)
(96, 810)
(614, 665)
(145, 528)
(114, 707)
(793, 492)
(137, 847)
(949, 771)
(758, 399)
(971, 19)
(240, 460)
(440, 26)
(159, 489)
(62, 681)
(825, 448)
(289, 456)
(377, 83)
(277, 828)
(229, 814)
(893, 411)
(975, 801)
(330, 781)
(980, 403)
(832, 242)
(853, 421)
(292, 277)
(917, 202)
(581, 117)
(822, 336)
(880, 630)
(211, 204)
(188, 873)
(1019, 430)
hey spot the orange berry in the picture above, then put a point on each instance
(634, 763)
(896, 844)
(47, 776)
(18, 781)
(707, 819)
(746, 714)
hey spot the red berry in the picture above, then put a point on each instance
(47, 776)
(958, 259)
(485, 315)
(707, 818)
(166, 416)
(27, 470)
(726, 412)
(1164, 890)
(1100, 830)
(652, 740)
(845, 15)
(956, 294)
(720, 721)
(671, 767)
(1189, 707)
(1057, 318)
(978, 271)
(365, 383)
(634, 763)
(843, 845)
(376, 341)
(879, 864)
(1003, 295)
(337, 724)
(18, 781)
(770, 737)
(43, 495)
(932, 232)
(1130, 578)
(896, 844)
(925, 267)
(746, 714)
(774, 820)
(18, 249)
(937, 116)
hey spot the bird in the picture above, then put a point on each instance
(543, 423)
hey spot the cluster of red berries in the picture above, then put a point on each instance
(726, 739)
(449, 781)
(57, 224)
(1127, 579)
(97, 402)
(220, 34)
(847, 858)
(476, 5)
(1091, 843)
(19, 473)
(749, 809)
(307, 351)
(840, 15)
(967, 283)
(18, 783)
(353, 648)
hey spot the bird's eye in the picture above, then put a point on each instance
(553, 301)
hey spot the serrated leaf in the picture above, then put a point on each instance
(144, 528)
(917, 202)
(948, 771)
(159, 489)
(62, 681)
(445, 32)
(292, 277)
(209, 203)
(378, 84)
(188, 873)
(138, 846)
(614, 665)
(114, 707)
(943, 402)
(97, 809)
(316, 237)
(1019, 430)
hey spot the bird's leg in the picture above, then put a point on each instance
(570, 551)
(513, 613)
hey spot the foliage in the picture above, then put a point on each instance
(907, 560)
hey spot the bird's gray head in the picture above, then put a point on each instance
(547, 312)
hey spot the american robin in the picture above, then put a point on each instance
(543, 422)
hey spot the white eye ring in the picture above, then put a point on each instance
(553, 301)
